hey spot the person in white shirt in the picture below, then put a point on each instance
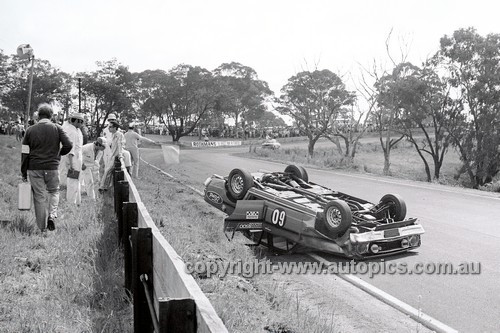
(74, 160)
(127, 158)
(109, 138)
(116, 151)
(92, 154)
(132, 139)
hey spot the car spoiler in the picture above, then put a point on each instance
(398, 224)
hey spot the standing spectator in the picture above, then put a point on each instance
(116, 151)
(109, 138)
(132, 139)
(74, 159)
(41, 151)
(19, 130)
(127, 159)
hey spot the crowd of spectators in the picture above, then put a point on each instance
(231, 132)
(12, 128)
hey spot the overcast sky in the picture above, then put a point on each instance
(276, 38)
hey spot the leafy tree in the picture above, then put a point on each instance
(424, 103)
(314, 100)
(181, 98)
(473, 64)
(242, 95)
(388, 112)
(109, 86)
(269, 119)
(349, 127)
(148, 85)
(49, 84)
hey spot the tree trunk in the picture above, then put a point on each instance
(310, 147)
(387, 162)
(437, 168)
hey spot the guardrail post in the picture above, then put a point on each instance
(177, 315)
(123, 192)
(118, 175)
(142, 263)
(130, 219)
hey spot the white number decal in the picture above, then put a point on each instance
(278, 217)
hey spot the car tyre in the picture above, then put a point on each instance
(298, 171)
(397, 209)
(238, 183)
(337, 217)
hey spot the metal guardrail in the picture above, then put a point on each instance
(165, 298)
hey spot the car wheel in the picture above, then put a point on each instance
(238, 183)
(337, 217)
(397, 206)
(298, 172)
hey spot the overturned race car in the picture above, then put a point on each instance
(286, 212)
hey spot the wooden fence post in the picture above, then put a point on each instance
(177, 315)
(123, 192)
(142, 263)
(118, 175)
(130, 219)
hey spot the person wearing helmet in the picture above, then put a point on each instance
(92, 154)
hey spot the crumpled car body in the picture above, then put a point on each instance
(286, 212)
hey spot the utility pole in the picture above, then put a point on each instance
(29, 91)
(25, 51)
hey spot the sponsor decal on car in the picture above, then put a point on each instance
(252, 215)
(214, 197)
(249, 225)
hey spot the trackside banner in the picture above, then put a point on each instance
(204, 144)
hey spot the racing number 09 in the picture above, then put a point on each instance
(278, 217)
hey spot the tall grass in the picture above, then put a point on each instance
(68, 280)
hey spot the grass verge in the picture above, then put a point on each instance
(68, 280)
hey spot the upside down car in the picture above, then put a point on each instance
(286, 212)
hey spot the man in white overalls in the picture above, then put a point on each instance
(109, 138)
(74, 161)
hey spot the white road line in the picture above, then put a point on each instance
(415, 314)
(169, 175)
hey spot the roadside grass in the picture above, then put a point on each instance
(68, 280)
(405, 162)
(256, 304)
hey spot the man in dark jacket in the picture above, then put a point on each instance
(41, 152)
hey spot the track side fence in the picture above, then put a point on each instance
(165, 298)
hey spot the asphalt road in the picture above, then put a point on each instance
(461, 226)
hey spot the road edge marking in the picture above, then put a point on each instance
(392, 301)
(170, 176)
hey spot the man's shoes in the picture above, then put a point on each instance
(50, 224)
